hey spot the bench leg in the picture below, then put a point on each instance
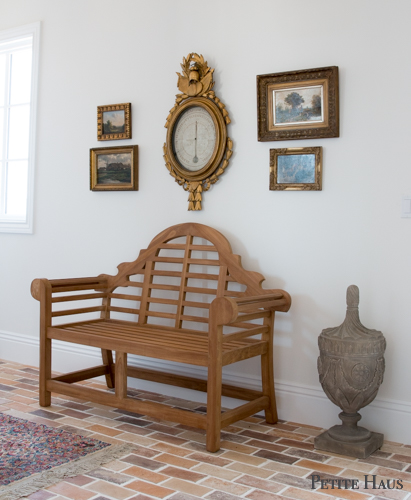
(214, 387)
(121, 375)
(267, 377)
(267, 374)
(108, 361)
(45, 371)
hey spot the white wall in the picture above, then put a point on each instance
(313, 244)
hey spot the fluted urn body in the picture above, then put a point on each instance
(351, 369)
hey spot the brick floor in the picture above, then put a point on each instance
(257, 461)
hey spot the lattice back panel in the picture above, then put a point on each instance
(176, 286)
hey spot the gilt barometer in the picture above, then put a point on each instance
(197, 149)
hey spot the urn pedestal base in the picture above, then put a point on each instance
(358, 450)
(349, 439)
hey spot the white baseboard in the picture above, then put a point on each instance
(298, 403)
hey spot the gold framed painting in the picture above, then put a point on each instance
(114, 168)
(114, 122)
(298, 105)
(296, 169)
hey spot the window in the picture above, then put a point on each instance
(19, 50)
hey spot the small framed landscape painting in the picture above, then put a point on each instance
(114, 169)
(114, 122)
(298, 105)
(296, 169)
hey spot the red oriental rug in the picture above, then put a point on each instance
(34, 456)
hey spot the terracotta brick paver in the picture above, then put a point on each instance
(212, 470)
(150, 489)
(176, 460)
(148, 475)
(299, 494)
(70, 491)
(257, 461)
(107, 431)
(110, 490)
(187, 487)
(330, 469)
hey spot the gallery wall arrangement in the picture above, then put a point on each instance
(310, 182)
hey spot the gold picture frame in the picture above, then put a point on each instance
(296, 169)
(298, 105)
(114, 168)
(114, 122)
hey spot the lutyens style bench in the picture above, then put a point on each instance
(185, 299)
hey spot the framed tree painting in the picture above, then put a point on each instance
(298, 105)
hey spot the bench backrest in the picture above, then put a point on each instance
(174, 280)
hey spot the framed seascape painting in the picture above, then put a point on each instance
(298, 105)
(114, 169)
(114, 122)
(296, 169)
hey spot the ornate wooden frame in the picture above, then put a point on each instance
(96, 152)
(126, 107)
(281, 186)
(196, 83)
(327, 78)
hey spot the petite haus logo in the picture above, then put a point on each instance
(370, 482)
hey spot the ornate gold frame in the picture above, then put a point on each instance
(277, 186)
(123, 186)
(195, 84)
(126, 107)
(327, 78)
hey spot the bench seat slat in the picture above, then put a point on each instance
(131, 347)
(142, 330)
(146, 337)
(148, 340)
(152, 335)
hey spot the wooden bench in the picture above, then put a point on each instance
(185, 299)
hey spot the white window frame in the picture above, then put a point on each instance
(13, 224)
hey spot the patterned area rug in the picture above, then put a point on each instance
(34, 456)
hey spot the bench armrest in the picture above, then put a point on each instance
(279, 300)
(68, 285)
(226, 310)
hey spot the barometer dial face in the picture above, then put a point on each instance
(194, 138)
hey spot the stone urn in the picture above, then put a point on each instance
(351, 368)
